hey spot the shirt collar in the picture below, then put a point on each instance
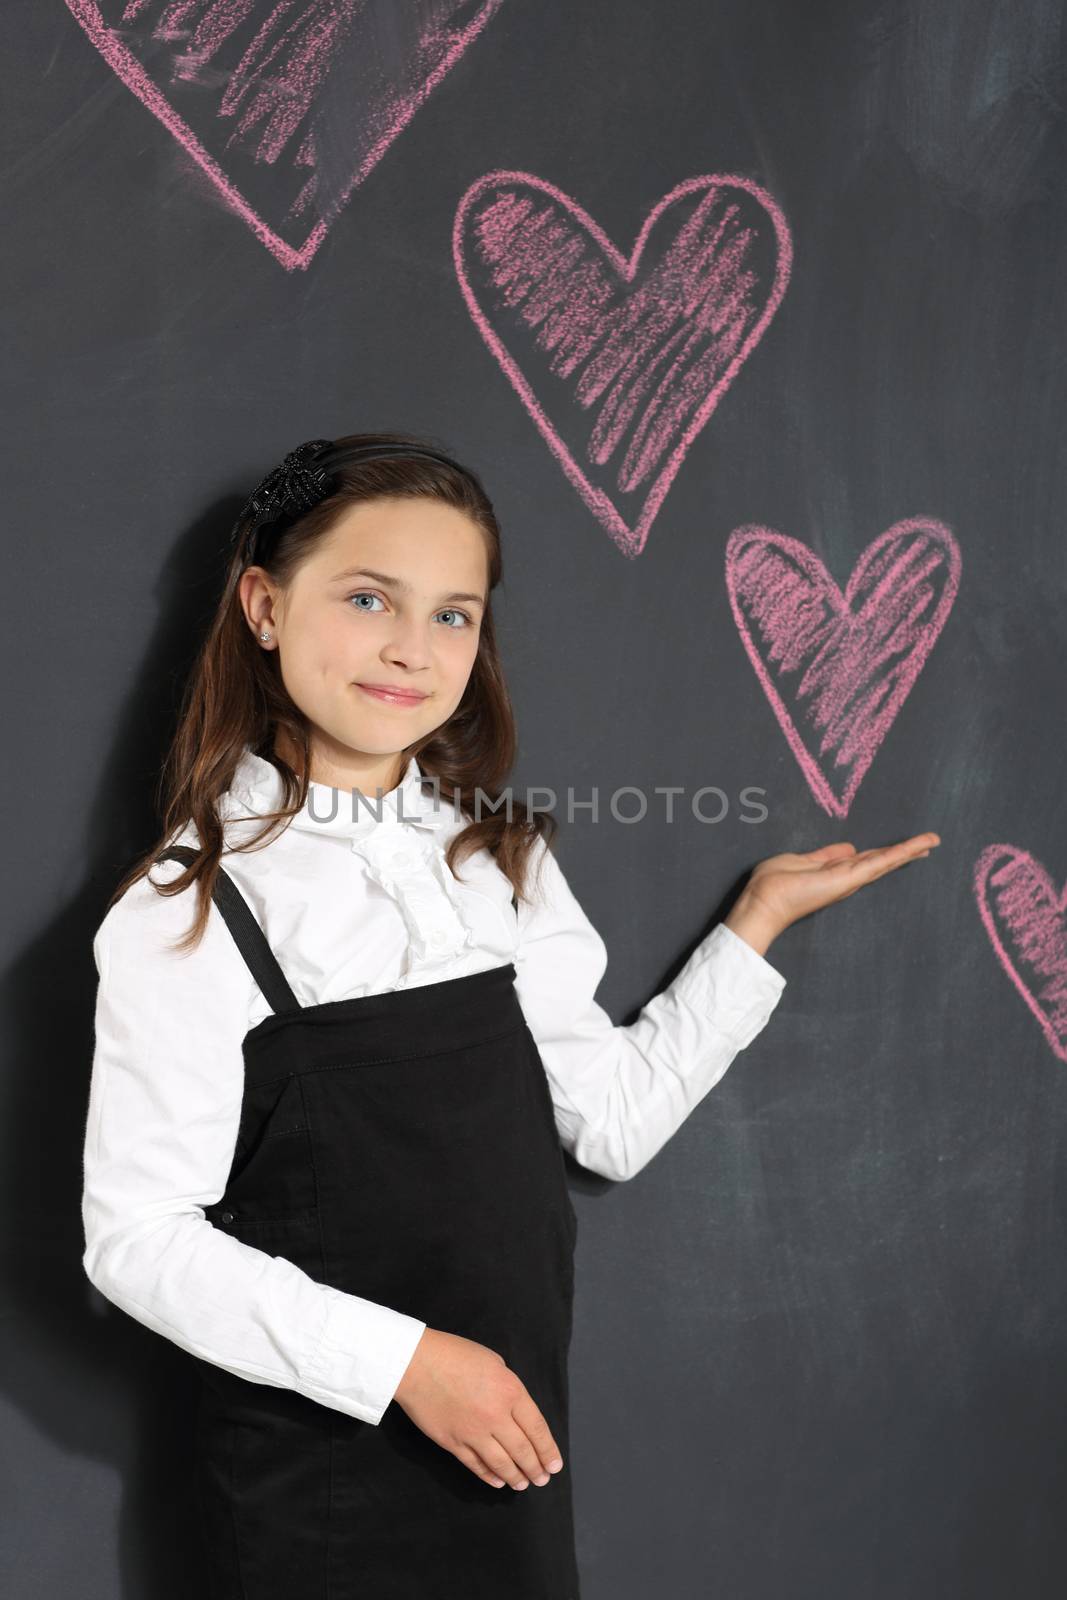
(257, 788)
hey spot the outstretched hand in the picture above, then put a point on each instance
(785, 888)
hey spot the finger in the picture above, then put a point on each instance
(905, 849)
(532, 1422)
(470, 1458)
(500, 1461)
(872, 864)
(515, 1441)
(844, 878)
(831, 852)
(918, 841)
(911, 849)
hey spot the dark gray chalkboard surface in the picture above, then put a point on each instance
(751, 314)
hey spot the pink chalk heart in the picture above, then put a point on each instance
(286, 108)
(1025, 917)
(836, 667)
(621, 361)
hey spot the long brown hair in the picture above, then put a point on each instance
(235, 697)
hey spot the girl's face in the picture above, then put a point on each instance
(392, 597)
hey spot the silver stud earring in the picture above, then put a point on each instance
(264, 636)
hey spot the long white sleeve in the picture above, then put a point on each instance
(164, 1104)
(620, 1093)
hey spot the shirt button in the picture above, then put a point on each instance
(227, 1216)
(401, 858)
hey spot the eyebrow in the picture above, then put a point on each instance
(399, 583)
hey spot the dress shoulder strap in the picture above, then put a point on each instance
(248, 936)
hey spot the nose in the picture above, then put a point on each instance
(408, 645)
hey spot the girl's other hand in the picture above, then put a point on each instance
(465, 1397)
(785, 888)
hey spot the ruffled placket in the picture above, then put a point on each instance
(413, 872)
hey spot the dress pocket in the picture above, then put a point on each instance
(272, 1177)
(296, 1239)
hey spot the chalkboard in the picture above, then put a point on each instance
(751, 316)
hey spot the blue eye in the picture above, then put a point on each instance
(366, 594)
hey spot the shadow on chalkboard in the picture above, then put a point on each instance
(580, 1178)
(133, 1389)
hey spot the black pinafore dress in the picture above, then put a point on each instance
(401, 1147)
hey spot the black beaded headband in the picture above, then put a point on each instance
(305, 478)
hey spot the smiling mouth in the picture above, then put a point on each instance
(396, 697)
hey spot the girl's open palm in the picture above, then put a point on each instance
(786, 887)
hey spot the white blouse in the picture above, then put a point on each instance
(355, 899)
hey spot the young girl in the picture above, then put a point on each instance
(345, 1024)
